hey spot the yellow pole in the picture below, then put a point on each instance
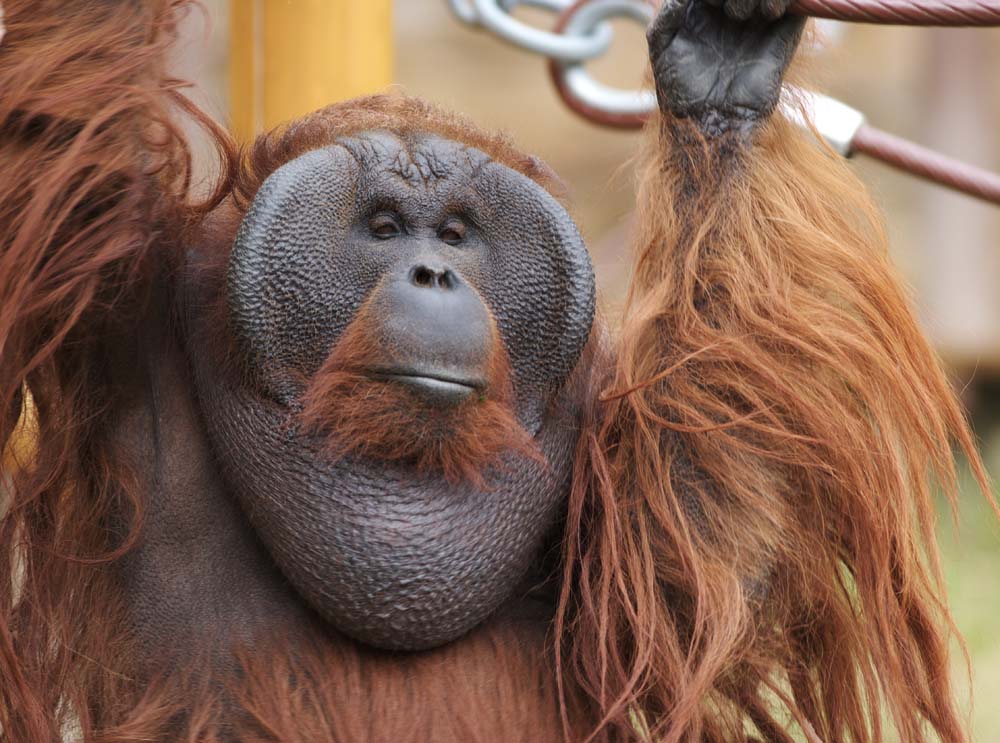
(290, 57)
(21, 443)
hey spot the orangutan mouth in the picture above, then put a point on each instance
(439, 386)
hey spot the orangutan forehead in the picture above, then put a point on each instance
(420, 160)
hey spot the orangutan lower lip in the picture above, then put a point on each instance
(435, 384)
(470, 381)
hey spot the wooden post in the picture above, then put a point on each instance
(290, 57)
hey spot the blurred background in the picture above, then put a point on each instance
(939, 87)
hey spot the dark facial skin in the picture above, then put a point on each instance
(437, 238)
(446, 248)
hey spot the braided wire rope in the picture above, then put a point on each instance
(904, 12)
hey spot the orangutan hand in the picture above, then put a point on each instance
(741, 10)
(723, 72)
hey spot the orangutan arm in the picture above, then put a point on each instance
(92, 181)
(91, 169)
(760, 550)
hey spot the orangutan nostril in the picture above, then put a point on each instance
(423, 277)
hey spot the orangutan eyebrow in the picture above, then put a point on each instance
(383, 206)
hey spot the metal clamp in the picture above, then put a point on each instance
(836, 122)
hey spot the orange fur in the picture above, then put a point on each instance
(750, 545)
(92, 166)
(286, 692)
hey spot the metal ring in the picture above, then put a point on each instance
(467, 13)
(464, 12)
(603, 104)
(556, 46)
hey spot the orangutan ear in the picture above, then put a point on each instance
(545, 296)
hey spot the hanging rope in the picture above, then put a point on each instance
(581, 32)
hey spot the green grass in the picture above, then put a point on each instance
(971, 561)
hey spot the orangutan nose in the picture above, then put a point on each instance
(435, 333)
(427, 277)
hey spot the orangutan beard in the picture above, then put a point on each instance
(358, 413)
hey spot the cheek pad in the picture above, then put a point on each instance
(538, 281)
(291, 291)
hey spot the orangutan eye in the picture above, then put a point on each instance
(385, 225)
(452, 232)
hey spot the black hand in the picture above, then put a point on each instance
(724, 73)
(741, 10)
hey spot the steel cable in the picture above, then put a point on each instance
(904, 12)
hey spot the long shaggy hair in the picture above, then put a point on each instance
(93, 177)
(750, 545)
(748, 549)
